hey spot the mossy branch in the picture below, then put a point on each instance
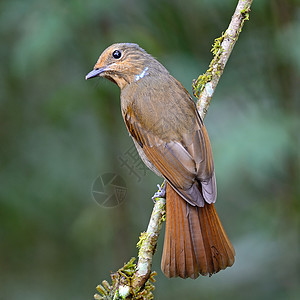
(205, 86)
(133, 281)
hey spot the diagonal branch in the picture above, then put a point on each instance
(204, 88)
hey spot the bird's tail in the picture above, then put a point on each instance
(195, 241)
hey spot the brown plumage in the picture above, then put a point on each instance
(171, 139)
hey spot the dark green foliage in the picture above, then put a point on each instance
(58, 132)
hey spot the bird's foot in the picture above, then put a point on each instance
(161, 193)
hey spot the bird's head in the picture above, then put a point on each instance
(125, 63)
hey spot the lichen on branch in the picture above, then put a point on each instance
(205, 85)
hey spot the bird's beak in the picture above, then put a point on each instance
(94, 73)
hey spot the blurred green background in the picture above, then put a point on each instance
(59, 132)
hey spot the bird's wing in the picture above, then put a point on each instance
(186, 165)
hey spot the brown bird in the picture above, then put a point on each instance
(171, 139)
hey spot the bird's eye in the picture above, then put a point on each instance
(117, 54)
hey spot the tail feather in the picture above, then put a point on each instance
(188, 250)
(166, 256)
(199, 241)
(195, 241)
(224, 238)
(179, 240)
(173, 243)
(215, 241)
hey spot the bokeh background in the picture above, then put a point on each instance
(59, 132)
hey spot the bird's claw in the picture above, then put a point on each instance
(161, 193)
